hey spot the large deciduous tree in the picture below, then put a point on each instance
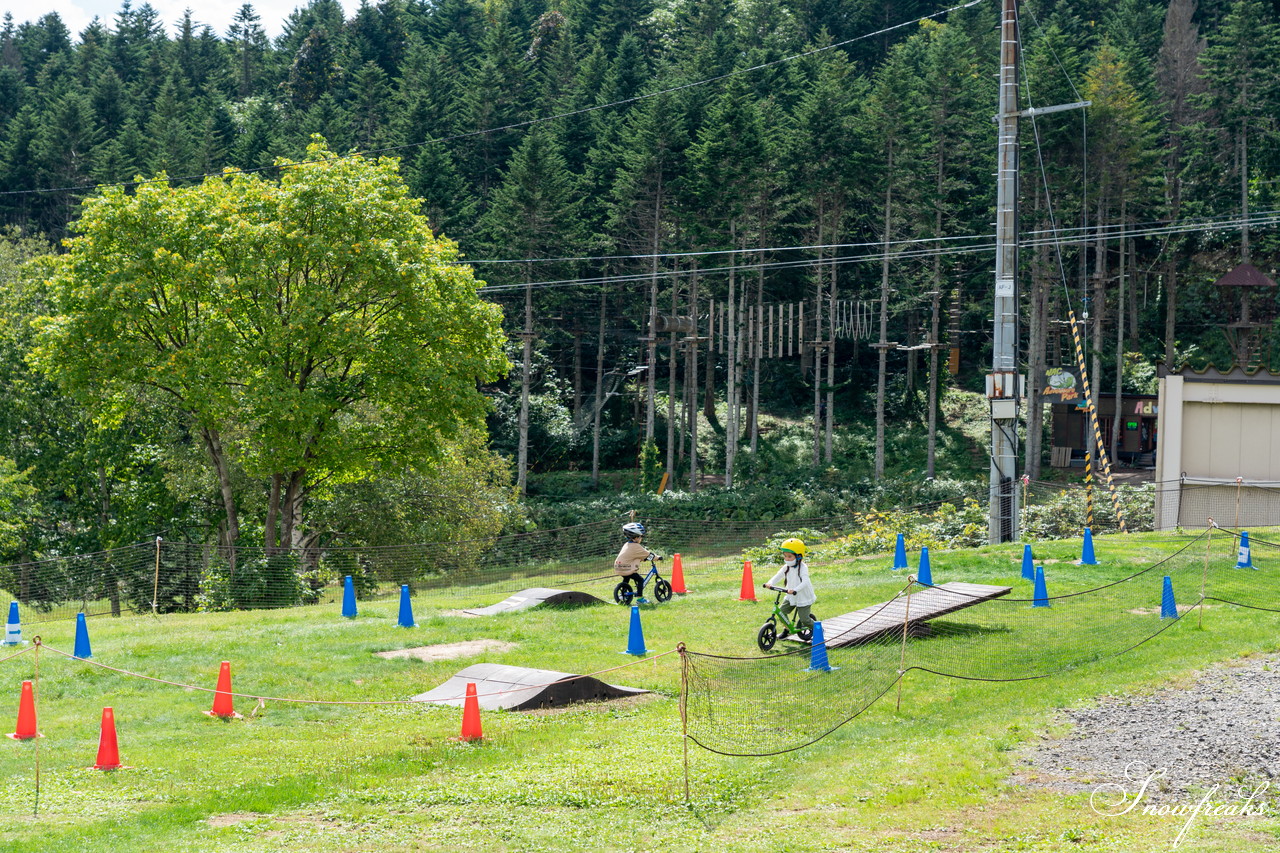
(313, 329)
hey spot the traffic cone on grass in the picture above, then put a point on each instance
(1040, 598)
(26, 728)
(1087, 557)
(677, 575)
(900, 553)
(818, 650)
(1244, 557)
(471, 730)
(13, 628)
(925, 575)
(108, 749)
(635, 639)
(348, 598)
(1028, 564)
(223, 704)
(406, 609)
(748, 592)
(82, 648)
(1168, 607)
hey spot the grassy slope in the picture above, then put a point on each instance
(934, 775)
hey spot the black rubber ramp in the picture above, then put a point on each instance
(526, 598)
(518, 688)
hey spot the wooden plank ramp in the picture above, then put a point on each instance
(927, 603)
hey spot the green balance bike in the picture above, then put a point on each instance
(623, 593)
(768, 633)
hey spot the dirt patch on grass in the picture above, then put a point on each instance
(232, 818)
(448, 651)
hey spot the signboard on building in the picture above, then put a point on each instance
(1061, 385)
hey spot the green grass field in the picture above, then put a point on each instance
(932, 775)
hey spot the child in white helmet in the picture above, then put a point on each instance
(793, 579)
(631, 556)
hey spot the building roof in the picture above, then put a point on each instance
(1245, 275)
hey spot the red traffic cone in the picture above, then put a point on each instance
(223, 706)
(471, 716)
(677, 575)
(748, 585)
(108, 749)
(26, 715)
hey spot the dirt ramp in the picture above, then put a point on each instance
(536, 597)
(519, 688)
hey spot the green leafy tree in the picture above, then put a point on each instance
(311, 330)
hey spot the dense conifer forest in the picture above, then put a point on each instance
(768, 205)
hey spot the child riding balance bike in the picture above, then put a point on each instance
(793, 582)
(627, 564)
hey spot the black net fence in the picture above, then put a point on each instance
(762, 705)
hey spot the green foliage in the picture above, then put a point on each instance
(650, 467)
(1066, 514)
(255, 581)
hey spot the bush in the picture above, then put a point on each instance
(259, 581)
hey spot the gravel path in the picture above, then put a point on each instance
(1223, 730)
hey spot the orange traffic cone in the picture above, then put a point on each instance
(748, 585)
(677, 575)
(26, 715)
(471, 716)
(223, 706)
(108, 749)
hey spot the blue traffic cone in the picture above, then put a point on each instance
(1041, 596)
(1087, 557)
(925, 575)
(82, 638)
(13, 628)
(635, 641)
(1244, 559)
(348, 598)
(1028, 564)
(1168, 607)
(900, 554)
(818, 651)
(406, 610)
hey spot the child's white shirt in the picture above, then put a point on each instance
(796, 577)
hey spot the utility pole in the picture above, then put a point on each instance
(1005, 384)
(1002, 385)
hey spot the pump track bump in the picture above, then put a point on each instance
(535, 597)
(518, 688)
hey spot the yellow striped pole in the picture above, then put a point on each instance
(1103, 460)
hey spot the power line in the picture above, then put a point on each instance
(514, 125)
(1064, 237)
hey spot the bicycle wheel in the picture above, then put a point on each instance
(622, 593)
(767, 636)
(661, 590)
(805, 634)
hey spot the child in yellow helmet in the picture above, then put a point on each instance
(793, 579)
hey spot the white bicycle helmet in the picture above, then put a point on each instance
(633, 529)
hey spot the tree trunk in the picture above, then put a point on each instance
(882, 370)
(522, 456)
(270, 537)
(595, 420)
(231, 523)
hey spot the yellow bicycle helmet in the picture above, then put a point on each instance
(795, 546)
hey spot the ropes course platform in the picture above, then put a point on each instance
(876, 621)
(518, 688)
(535, 597)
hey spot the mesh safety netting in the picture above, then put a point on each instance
(765, 704)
